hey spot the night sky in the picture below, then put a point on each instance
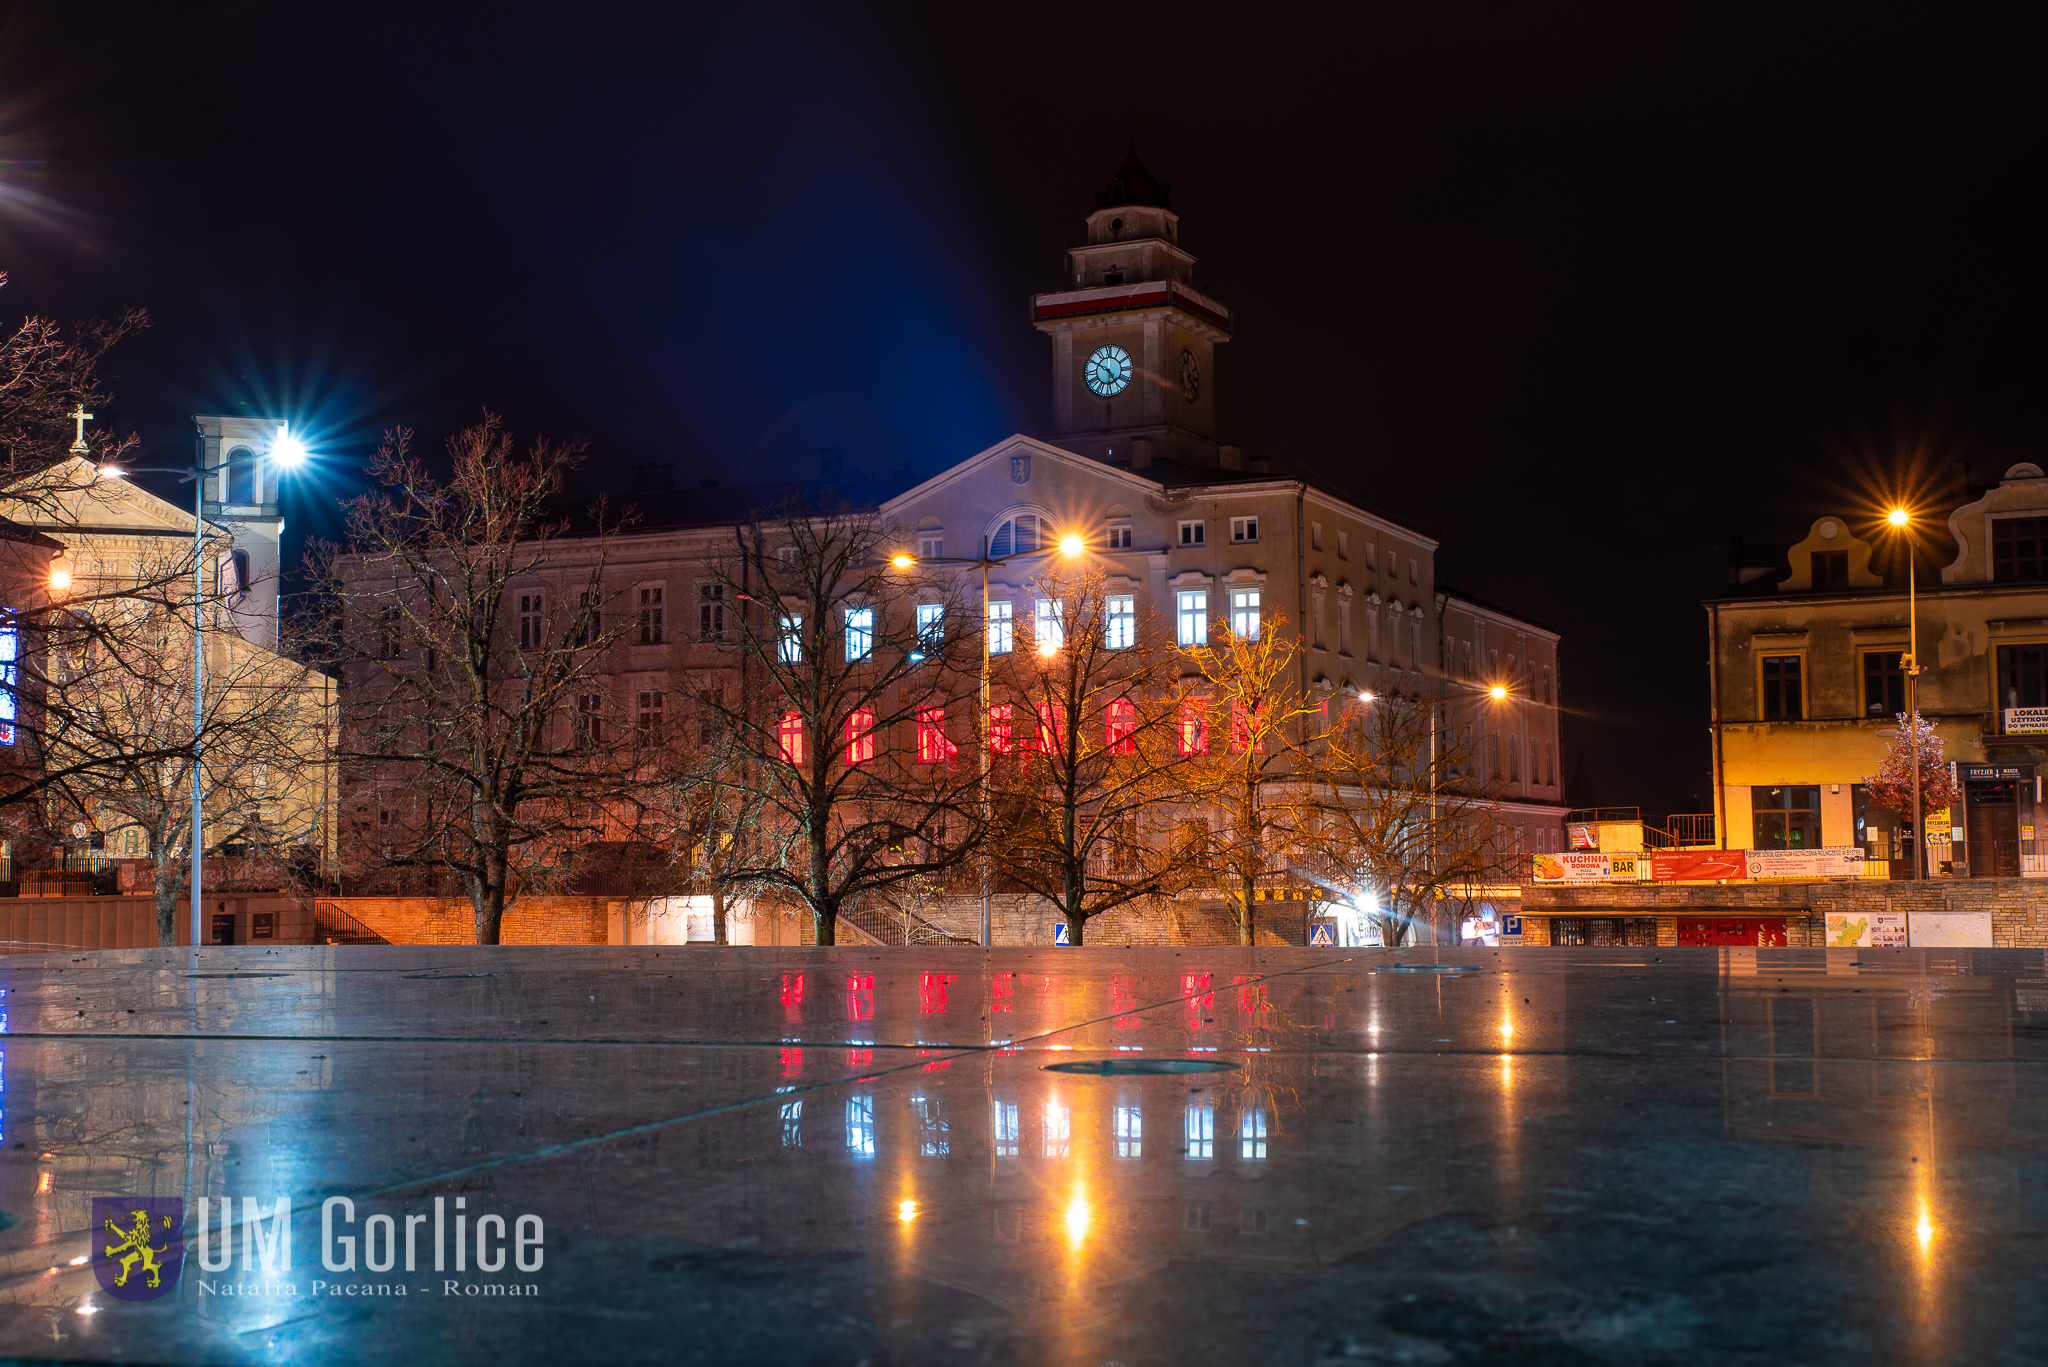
(1582, 290)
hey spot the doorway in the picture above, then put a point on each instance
(224, 928)
(1992, 829)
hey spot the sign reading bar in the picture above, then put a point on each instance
(1586, 867)
(2026, 721)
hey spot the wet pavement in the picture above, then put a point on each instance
(1078, 1157)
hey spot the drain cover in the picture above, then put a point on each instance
(1122, 1067)
(1434, 968)
(444, 977)
(237, 975)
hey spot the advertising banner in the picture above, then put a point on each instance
(1866, 929)
(1846, 862)
(2026, 721)
(1584, 835)
(1950, 929)
(1694, 866)
(1587, 867)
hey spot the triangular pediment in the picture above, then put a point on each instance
(995, 463)
(74, 494)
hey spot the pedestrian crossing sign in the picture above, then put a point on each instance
(1323, 935)
(1059, 935)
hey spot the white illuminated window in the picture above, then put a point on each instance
(860, 1125)
(1128, 1126)
(1120, 611)
(1006, 1129)
(933, 1138)
(789, 641)
(1192, 618)
(1047, 625)
(860, 633)
(1199, 1131)
(792, 1122)
(1057, 1134)
(1244, 613)
(1000, 629)
(931, 629)
(1251, 1135)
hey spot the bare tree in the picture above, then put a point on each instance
(1255, 731)
(1088, 754)
(117, 742)
(1400, 811)
(855, 696)
(481, 738)
(48, 379)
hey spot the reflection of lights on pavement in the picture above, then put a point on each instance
(907, 1211)
(1925, 1229)
(1507, 1030)
(81, 1258)
(88, 1309)
(1077, 1220)
(44, 1184)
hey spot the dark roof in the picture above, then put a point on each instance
(1133, 184)
(1476, 601)
(729, 505)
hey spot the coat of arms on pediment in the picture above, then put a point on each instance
(1020, 469)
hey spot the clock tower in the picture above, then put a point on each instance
(1133, 343)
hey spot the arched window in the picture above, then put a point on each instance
(241, 476)
(1024, 532)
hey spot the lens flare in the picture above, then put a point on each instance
(1078, 1215)
(901, 561)
(907, 1211)
(1072, 544)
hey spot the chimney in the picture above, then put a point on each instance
(654, 477)
(1230, 457)
(831, 462)
(1141, 452)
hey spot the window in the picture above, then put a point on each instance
(860, 633)
(131, 842)
(1251, 1135)
(1001, 631)
(1002, 728)
(589, 618)
(1047, 627)
(1372, 635)
(1050, 733)
(792, 1116)
(1246, 732)
(387, 634)
(10, 678)
(652, 706)
(789, 640)
(241, 476)
(1057, 1126)
(1191, 533)
(931, 547)
(650, 614)
(1415, 641)
(2022, 673)
(933, 1134)
(1787, 817)
(1006, 1129)
(1192, 618)
(1119, 726)
(789, 737)
(1119, 538)
(1546, 764)
(1243, 529)
(1315, 536)
(1884, 683)
(1193, 731)
(786, 557)
(1244, 613)
(1372, 560)
(1549, 698)
(931, 629)
(860, 736)
(1414, 577)
(932, 745)
(1252, 1219)
(1127, 1125)
(1830, 569)
(2017, 548)
(860, 1126)
(589, 720)
(1514, 760)
(1120, 621)
(1782, 699)
(1343, 545)
(1016, 536)
(1198, 1216)
(1198, 1130)
(711, 612)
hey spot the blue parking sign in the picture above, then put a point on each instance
(1059, 935)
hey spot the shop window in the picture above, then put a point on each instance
(1783, 700)
(1879, 830)
(1787, 817)
(1884, 683)
(2018, 552)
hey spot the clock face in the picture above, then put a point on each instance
(1190, 377)
(1109, 370)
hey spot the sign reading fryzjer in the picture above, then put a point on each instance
(1846, 862)
(2026, 721)
(1586, 867)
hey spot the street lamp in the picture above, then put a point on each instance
(1902, 520)
(1071, 544)
(288, 452)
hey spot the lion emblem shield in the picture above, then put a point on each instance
(138, 1245)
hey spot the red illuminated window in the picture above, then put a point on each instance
(1252, 1000)
(1194, 726)
(1119, 723)
(792, 1062)
(1201, 1001)
(1123, 997)
(1048, 728)
(1002, 729)
(860, 996)
(932, 745)
(931, 992)
(860, 736)
(1244, 729)
(789, 736)
(860, 1058)
(793, 996)
(1002, 991)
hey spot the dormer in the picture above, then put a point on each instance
(1999, 538)
(1830, 560)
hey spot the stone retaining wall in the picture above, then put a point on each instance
(2018, 906)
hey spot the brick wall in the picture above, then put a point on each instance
(445, 921)
(40, 925)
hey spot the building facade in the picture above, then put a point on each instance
(1809, 680)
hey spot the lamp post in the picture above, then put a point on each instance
(1901, 519)
(287, 451)
(1070, 545)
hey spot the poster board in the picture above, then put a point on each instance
(1844, 862)
(1587, 867)
(1866, 930)
(1950, 930)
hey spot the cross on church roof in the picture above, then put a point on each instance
(78, 447)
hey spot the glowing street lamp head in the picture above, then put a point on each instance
(902, 561)
(1048, 649)
(1072, 544)
(60, 575)
(1898, 517)
(112, 471)
(1497, 692)
(287, 450)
